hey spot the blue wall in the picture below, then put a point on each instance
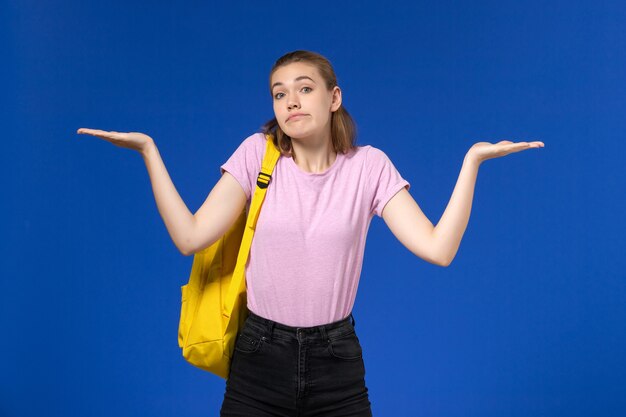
(528, 320)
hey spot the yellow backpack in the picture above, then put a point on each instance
(214, 301)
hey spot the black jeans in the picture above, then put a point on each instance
(279, 370)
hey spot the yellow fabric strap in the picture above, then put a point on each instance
(238, 280)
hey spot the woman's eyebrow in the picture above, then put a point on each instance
(302, 77)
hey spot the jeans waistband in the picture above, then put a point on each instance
(326, 331)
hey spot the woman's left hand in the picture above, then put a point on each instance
(482, 151)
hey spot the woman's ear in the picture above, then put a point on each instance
(336, 99)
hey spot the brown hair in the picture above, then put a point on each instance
(342, 127)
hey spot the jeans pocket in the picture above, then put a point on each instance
(248, 341)
(346, 347)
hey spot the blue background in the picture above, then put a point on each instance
(528, 320)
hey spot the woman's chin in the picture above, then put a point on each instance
(298, 133)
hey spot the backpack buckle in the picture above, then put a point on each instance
(263, 180)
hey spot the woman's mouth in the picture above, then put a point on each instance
(295, 117)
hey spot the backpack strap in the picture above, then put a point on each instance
(263, 180)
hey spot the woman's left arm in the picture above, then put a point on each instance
(440, 244)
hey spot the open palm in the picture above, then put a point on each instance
(482, 151)
(131, 140)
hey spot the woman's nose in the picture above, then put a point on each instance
(293, 104)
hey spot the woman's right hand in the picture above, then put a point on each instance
(131, 140)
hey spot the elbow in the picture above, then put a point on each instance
(441, 260)
(436, 260)
(440, 255)
(445, 259)
(187, 246)
(445, 263)
(185, 250)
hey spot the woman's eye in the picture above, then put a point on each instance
(278, 95)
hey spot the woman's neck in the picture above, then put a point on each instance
(313, 156)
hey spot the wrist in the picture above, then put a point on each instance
(148, 148)
(472, 159)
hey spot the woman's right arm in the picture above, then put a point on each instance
(190, 233)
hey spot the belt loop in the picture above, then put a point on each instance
(270, 327)
(353, 320)
(324, 334)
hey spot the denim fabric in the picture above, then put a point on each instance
(279, 370)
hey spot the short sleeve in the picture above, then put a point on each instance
(384, 179)
(245, 163)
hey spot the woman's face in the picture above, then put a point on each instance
(299, 88)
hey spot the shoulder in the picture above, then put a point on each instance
(358, 152)
(374, 156)
(255, 140)
(249, 152)
(378, 164)
(367, 156)
(252, 147)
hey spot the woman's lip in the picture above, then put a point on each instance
(295, 117)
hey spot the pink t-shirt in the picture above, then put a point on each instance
(307, 252)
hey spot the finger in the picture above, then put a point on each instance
(534, 144)
(92, 131)
(526, 145)
(515, 147)
(102, 134)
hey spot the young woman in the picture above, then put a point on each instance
(298, 353)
